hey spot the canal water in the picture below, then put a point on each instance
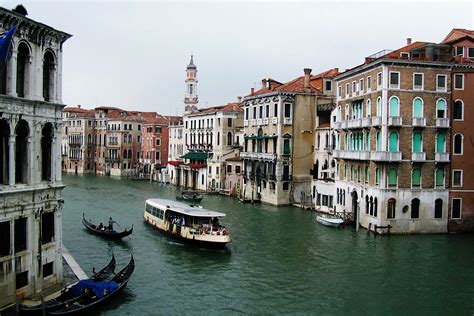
(280, 261)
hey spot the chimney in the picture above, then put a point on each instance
(252, 91)
(408, 40)
(239, 99)
(264, 83)
(78, 106)
(307, 75)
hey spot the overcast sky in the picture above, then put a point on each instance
(133, 55)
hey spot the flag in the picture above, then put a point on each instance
(5, 43)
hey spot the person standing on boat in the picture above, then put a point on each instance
(111, 224)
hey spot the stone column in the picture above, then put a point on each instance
(11, 73)
(11, 159)
(57, 156)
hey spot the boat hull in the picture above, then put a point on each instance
(197, 242)
(329, 222)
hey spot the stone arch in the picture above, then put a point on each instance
(23, 69)
(4, 151)
(49, 74)
(47, 135)
(22, 131)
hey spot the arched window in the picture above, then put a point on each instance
(393, 141)
(417, 146)
(392, 177)
(416, 178)
(339, 114)
(367, 204)
(367, 141)
(48, 76)
(219, 138)
(4, 151)
(371, 206)
(21, 152)
(438, 208)
(366, 174)
(377, 141)
(89, 139)
(375, 206)
(439, 175)
(417, 107)
(415, 208)
(391, 205)
(229, 139)
(458, 110)
(377, 176)
(458, 144)
(347, 112)
(394, 106)
(379, 107)
(46, 152)
(352, 173)
(368, 110)
(440, 143)
(359, 174)
(22, 69)
(440, 108)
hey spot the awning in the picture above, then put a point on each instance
(174, 163)
(197, 156)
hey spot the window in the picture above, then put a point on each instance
(47, 269)
(368, 109)
(458, 144)
(457, 207)
(287, 110)
(267, 114)
(441, 83)
(347, 90)
(393, 141)
(275, 110)
(394, 80)
(457, 178)
(416, 178)
(379, 80)
(417, 107)
(439, 177)
(286, 186)
(328, 85)
(377, 176)
(202, 179)
(21, 280)
(5, 238)
(361, 85)
(47, 227)
(339, 91)
(366, 175)
(459, 81)
(158, 142)
(138, 138)
(418, 81)
(286, 147)
(470, 52)
(438, 208)
(254, 112)
(229, 169)
(391, 208)
(417, 145)
(379, 107)
(246, 113)
(237, 169)
(440, 108)
(20, 234)
(440, 143)
(369, 83)
(354, 87)
(458, 110)
(46, 151)
(459, 51)
(392, 178)
(415, 208)
(394, 106)
(260, 111)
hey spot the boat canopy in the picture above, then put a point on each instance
(183, 208)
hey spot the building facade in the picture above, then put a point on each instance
(30, 168)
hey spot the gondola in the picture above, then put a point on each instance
(92, 298)
(189, 196)
(67, 296)
(105, 232)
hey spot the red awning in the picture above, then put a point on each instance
(197, 165)
(175, 163)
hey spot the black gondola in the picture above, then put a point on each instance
(189, 196)
(90, 299)
(105, 232)
(67, 296)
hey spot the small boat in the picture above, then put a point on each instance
(67, 295)
(329, 220)
(187, 223)
(98, 292)
(189, 196)
(104, 232)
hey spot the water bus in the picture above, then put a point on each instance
(187, 223)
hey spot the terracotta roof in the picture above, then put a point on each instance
(107, 108)
(456, 34)
(236, 158)
(405, 49)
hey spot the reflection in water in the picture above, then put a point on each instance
(280, 260)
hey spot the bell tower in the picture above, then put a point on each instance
(190, 96)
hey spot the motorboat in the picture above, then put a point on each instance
(329, 220)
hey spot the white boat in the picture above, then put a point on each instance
(329, 220)
(187, 223)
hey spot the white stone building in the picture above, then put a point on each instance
(30, 168)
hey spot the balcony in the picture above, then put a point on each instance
(344, 124)
(353, 154)
(274, 120)
(442, 122)
(259, 121)
(366, 122)
(287, 121)
(421, 156)
(357, 123)
(394, 121)
(386, 156)
(418, 122)
(336, 153)
(74, 145)
(442, 157)
(253, 122)
(112, 159)
(258, 156)
(336, 125)
(246, 122)
(376, 121)
(265, 121)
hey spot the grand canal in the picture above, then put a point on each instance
(280, 261)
